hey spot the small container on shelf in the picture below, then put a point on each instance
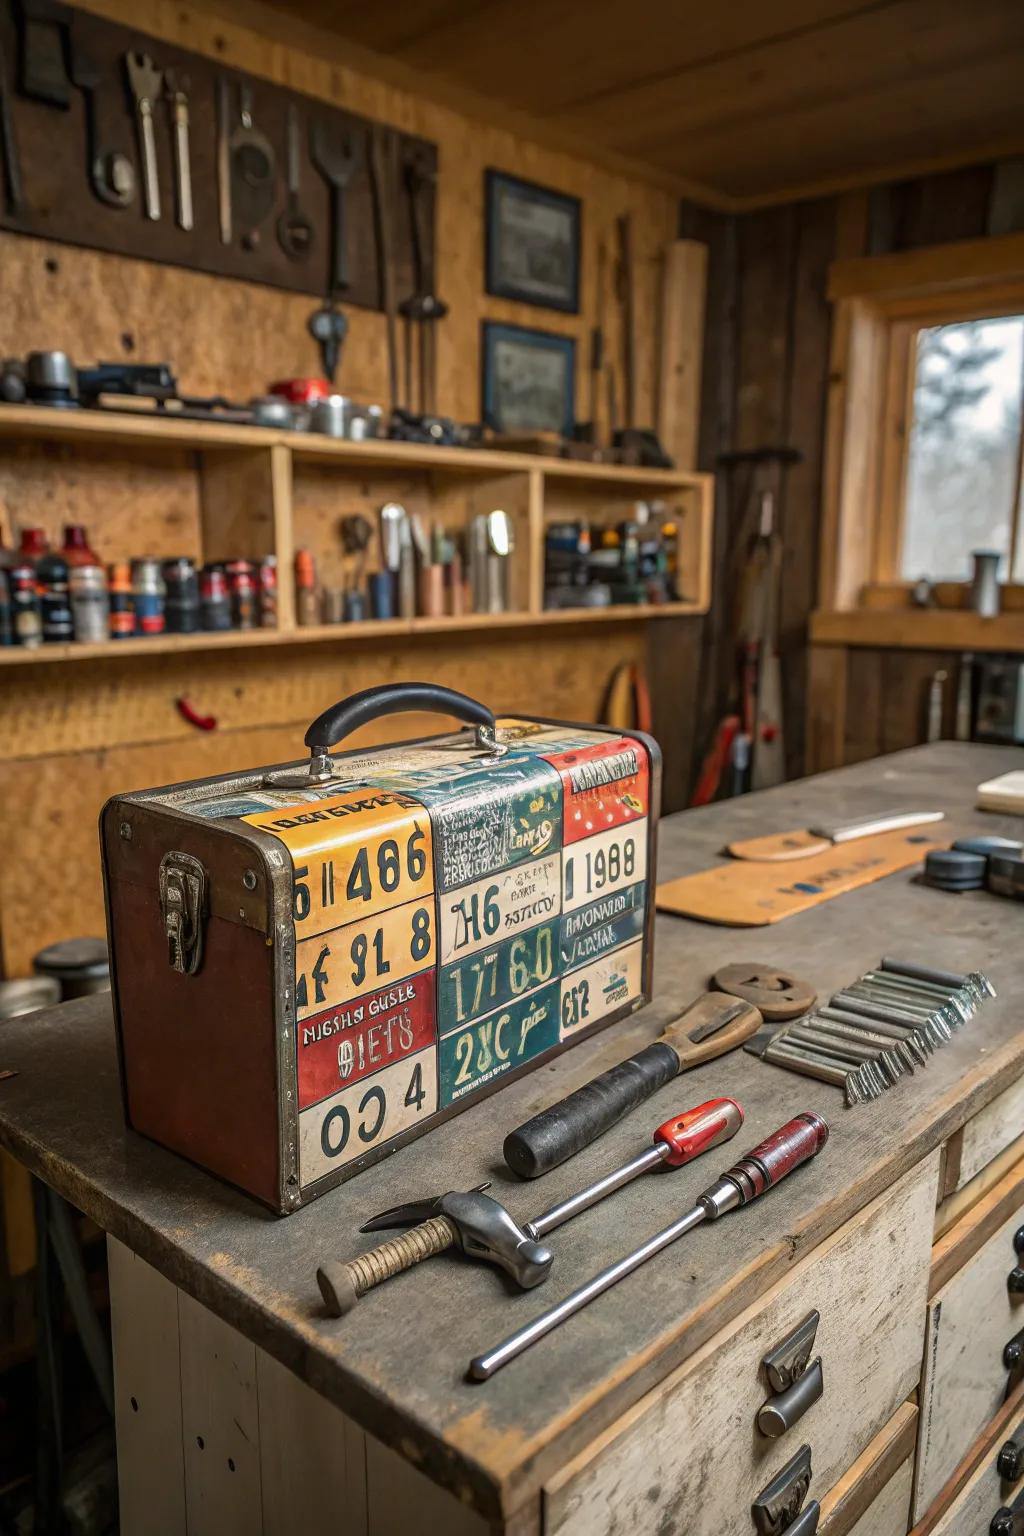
(182, 602)
(242, 587)
(268, 592)
(54, 601)
(150, 595)
(28, 623)
(6, 610)
(214, 599)
(90, 603)
(307, 608)
(121, 599)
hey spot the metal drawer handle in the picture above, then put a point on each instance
(1010, 1461)
(785, 1409)
(780, 1506)
(1015, 1281)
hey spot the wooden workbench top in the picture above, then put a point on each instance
(397, 1363)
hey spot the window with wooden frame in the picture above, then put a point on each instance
(925, 436)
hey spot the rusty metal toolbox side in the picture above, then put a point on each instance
(314, 963)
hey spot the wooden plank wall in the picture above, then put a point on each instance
(73, 735)
(766, 379)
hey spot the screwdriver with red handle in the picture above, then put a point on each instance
(792, 1144)
(678, 1141)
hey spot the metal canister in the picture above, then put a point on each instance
(28, 623)
(54, 602)
(90, 604)
(214, 600)
(150, 597)
(268, 592)
(122, 601)
(242, 586)
(79, 966)
(6, 611)
(182, 604)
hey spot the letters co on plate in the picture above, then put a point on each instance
(456, 918)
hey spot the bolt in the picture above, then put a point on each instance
(126, 831)
(249, 879)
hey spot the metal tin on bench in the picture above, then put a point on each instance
(314, 964)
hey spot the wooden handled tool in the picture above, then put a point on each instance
(714, 1024)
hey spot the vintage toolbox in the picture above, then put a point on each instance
(316, 962)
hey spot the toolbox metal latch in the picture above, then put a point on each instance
(183, 886)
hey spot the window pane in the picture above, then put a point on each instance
(963, 446)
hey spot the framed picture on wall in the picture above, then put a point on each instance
(529, 380)
(533, 243)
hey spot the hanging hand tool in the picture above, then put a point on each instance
(383, 144)
(176, 88)
(111, 173)
(794, 1143)
(294, 228)
(224, 159)
(711, 1026)
(335, 155)
(328, 328)
(422, 309)
(13, 198)
(483, 1229)
(253, 165)
(144, 82)
(42, 71)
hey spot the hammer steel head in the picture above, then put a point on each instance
(485, 1230)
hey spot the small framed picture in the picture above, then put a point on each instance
(529, 380)
(533, 243)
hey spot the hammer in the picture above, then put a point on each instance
(483, 1229)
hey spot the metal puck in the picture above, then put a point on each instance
(987, 846)
(1006, 875)
(775, 993)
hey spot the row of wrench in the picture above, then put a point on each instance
(883, 1025)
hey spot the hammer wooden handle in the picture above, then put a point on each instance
(341, 1285)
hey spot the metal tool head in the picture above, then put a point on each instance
(144, 79)
(411, 1212)
(485, 1231)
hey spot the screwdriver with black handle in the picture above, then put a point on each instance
(717, 1022)
(791, 1145)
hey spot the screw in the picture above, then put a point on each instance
(249, 879)
(126, 831)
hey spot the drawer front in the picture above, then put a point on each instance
(889, 1513)
(990, 1132)
(970, 1321)
(689, 1457)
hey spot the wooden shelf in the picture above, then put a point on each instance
(258, 490)
(342, 634)
(152, 427)
(923, 629)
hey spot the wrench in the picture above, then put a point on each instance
(144, 81)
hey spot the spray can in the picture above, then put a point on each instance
(214, 601)
(54, 601)
(122, 601)
(182, 603)
(307, 609)
(268, 592)
(6, 610)
(242, 586)
(150, 597)
(28, 624)
(90, 605)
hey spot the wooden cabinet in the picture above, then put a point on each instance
(664, 1461)
(971, 1318)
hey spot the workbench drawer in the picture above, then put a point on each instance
(972, 1316)
(985, 1491)
(690, 1458)
(872, 1498)
(988, 1134)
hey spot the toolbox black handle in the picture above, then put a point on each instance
(348, 715)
